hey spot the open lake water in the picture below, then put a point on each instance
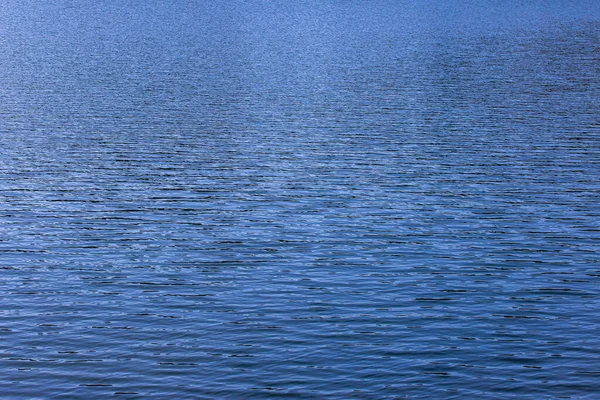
(301, 199)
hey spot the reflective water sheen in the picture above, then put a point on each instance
(343, 199)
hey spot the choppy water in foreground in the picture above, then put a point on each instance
(299, 199)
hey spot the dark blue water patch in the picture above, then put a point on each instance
(267, 199)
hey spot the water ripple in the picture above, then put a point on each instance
(265, 200)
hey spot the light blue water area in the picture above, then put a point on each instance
(316, 199)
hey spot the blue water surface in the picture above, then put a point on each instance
(301, 199)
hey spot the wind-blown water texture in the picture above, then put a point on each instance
(299, 199)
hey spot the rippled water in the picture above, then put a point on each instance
(299, 199)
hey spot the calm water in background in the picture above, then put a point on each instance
(316, 198)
